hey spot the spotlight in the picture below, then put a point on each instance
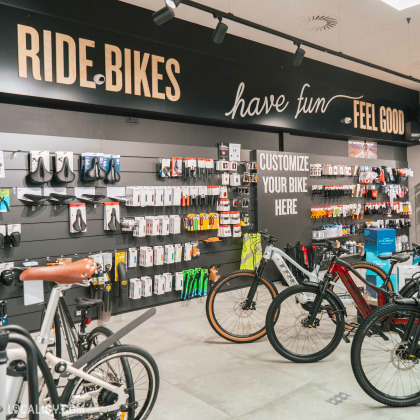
(163, 15)
(346, 120)
(173, 4)
(298, 58)
(220, 32)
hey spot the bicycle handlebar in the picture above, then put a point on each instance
(331, 246)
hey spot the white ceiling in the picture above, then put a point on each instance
(367, 29)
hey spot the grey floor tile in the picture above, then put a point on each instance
(191, 360)
(175, 404)
(241, 387)
(307, 402)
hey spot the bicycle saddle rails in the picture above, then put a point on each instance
(40, 175)
(112, 176)
(65, 174)
(79, 224)
(95, 171)
(113, 224)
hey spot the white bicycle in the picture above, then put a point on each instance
(238, 302)
(108, 382)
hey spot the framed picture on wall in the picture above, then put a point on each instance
(363, 149)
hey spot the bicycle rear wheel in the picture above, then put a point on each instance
(287, 327)
(140, 380)
(380, 359)
(224, 306)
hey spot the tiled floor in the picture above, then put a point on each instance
(204, 377)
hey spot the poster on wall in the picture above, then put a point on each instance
(283, 195)
(363, 149)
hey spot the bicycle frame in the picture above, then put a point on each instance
(342, 268)
(18, 389)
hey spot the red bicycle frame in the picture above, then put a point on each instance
(342, 269)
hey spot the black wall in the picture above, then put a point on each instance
(45, 231)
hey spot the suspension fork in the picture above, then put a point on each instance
(318, 299)
(254, 286)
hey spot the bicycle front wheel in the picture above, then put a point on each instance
(380, 357)
(124, 366)
(225, 306)
(288, 329)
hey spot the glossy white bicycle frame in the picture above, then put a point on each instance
(17, 391)
(278, 256)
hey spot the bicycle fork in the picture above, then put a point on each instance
(249, 302)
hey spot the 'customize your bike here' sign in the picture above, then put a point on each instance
(283, 193)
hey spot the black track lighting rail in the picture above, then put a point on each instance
(245, 22)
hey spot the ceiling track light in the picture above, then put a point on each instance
(173, 4)
(298, 57)
(250, 24)
(163, 15)
(220, 32)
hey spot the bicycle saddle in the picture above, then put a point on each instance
(86, 303)
(14, 238)
(65, 174)
(37, 199)
(61, 198)
(396, 258)
(79, 224)
(95, 171)
(114, 224)
(65, 274)
(112, 176)
(92, 198)
(40, 175)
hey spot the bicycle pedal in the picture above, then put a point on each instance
(345, 338)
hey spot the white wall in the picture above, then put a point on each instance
(413, 154)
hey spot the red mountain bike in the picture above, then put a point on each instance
(306, 322)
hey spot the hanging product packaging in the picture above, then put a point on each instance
(158, 254)
(146, 256)
(174, 224)
(168, 282)
(140, 227)
(132, 257)
(178, 280)
(135, 288)
(112, 216)
(176, 166)
(146, 286)
(77, 217)
(163, 225)
(187, 251)
(178, 253)
(165, 167)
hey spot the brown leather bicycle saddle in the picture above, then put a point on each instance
(64, 274)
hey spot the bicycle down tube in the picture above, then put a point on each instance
(278, 256)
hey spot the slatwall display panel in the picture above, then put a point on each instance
(45, 228)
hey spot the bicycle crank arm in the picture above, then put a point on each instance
(91, 354)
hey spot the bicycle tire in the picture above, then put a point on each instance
(210, 306)
(362, 265)
(357, 365)
(410, 289)
(122, 352)
(101, 330)
(274, 316)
